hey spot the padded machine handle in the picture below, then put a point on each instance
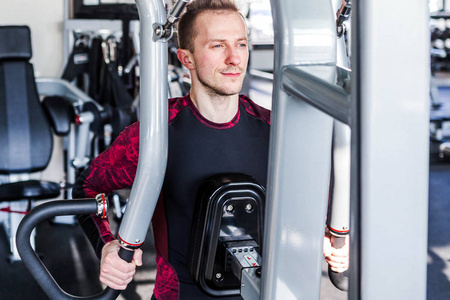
(33, 262)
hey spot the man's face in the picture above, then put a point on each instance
(220, 52)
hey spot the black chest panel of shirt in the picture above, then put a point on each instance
(197, 152)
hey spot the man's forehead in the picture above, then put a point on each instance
(207, 23)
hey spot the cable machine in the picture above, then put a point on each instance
(387, 111)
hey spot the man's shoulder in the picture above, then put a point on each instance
(129, 136)
(132, 129)
(176, 105)
(254, 109)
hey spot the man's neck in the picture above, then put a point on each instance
(216, 108)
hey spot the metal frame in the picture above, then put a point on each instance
(153, 135)
(300, 152)
(388, 116)
(77, 142)
(393, 110)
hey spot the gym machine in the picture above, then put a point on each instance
(28, 127)
(306, 99)
(386, 109)
(153, 156)
(226, 256)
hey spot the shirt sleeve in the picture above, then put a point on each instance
(113, 169)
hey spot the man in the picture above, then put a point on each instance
(212, 130)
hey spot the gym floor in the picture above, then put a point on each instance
(69, 257)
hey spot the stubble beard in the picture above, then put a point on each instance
(214, 90)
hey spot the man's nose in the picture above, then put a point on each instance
(233, 57)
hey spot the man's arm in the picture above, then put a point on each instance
(113, 169)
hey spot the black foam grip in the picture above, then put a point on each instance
(338, 242)
(339, 280)
(126, 255)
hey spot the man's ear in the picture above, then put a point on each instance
(185, 57)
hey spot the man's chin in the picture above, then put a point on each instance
(233, 89)
(228, 92)
(227, 88)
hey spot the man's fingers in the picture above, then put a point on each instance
(115, 281)
(337, 259)
(137, 257)
(114, 271)
(337, 264)
(119, 270)
(342, 252)
(115, 278)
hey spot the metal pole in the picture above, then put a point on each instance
(300, 154)
(391, 81)
(153, 127)
(389, 138)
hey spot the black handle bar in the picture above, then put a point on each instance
(33, 262)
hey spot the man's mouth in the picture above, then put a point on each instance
(231, 74)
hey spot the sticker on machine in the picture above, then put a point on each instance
(251, 260)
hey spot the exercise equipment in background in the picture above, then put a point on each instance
(26, 130)
(152, 155)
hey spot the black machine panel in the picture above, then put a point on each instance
(229, 215)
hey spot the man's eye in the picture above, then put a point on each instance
(243, 45)
(217, 46)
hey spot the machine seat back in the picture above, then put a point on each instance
(26, 140)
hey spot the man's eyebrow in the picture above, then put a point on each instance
(225, 40)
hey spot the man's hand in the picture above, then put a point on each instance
(114, 271)
(338, 259)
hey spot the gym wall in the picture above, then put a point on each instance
(45, 18)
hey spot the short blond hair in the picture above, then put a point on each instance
(186, 26)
